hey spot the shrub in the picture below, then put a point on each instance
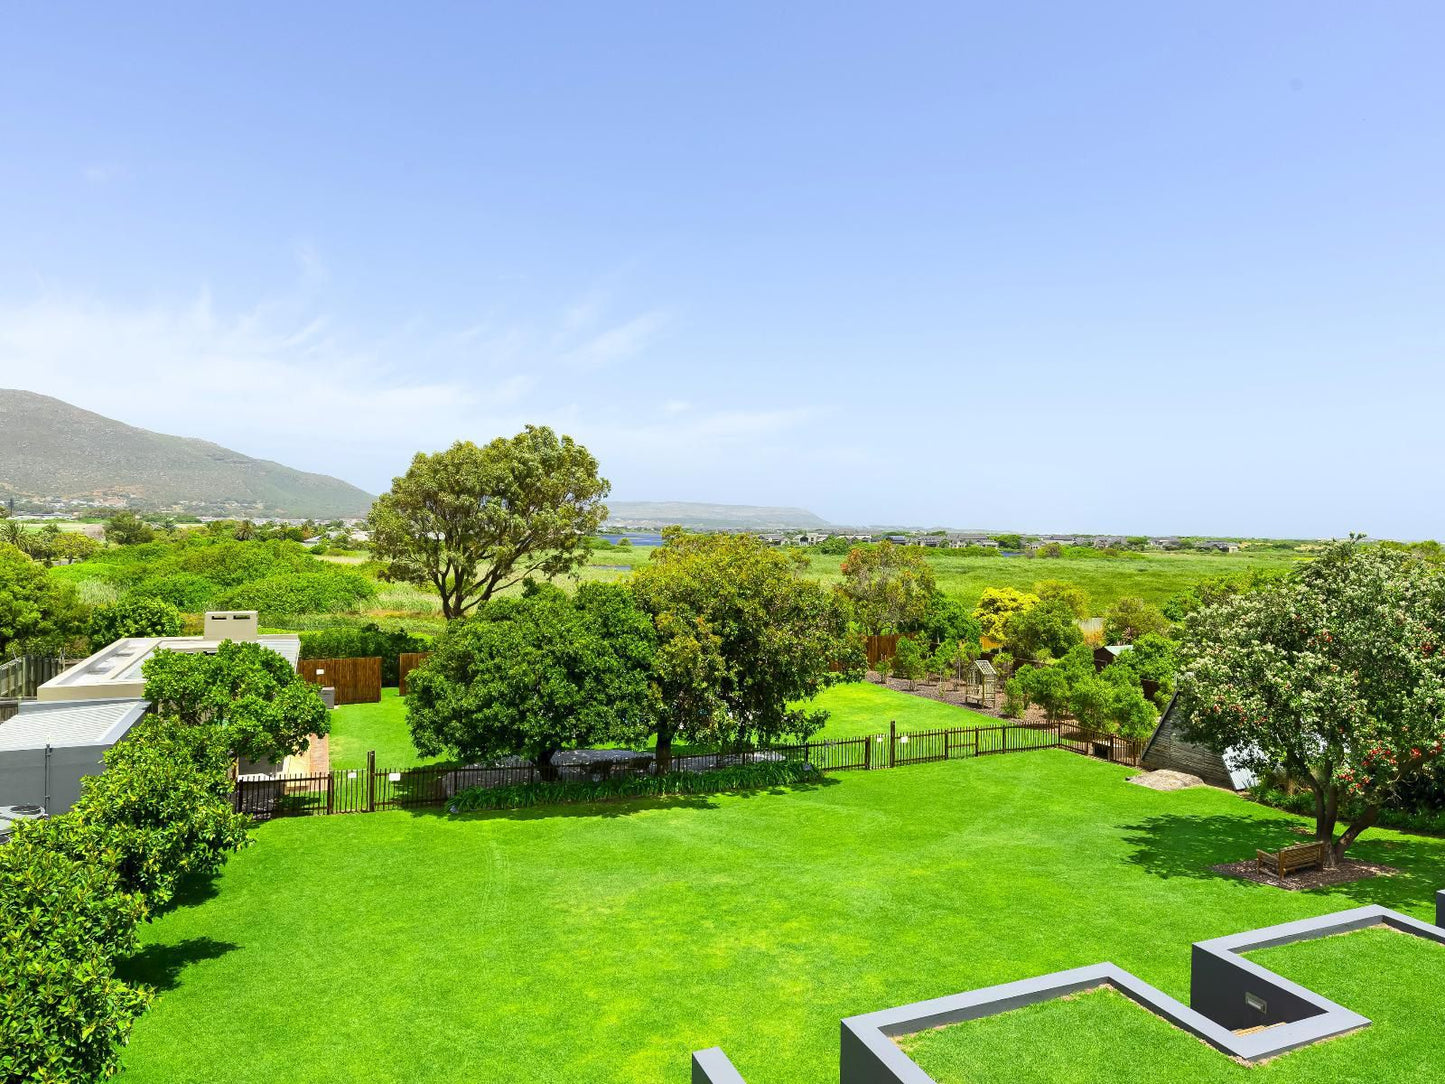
(368, 641)
(186, 591)
(908, 660)
(523, 795)
(132, 616)
(301, 593)
(164, 804)
(64, 920)
(262, 705)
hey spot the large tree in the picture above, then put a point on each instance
(470, 521)
(744, 636)
(535, 675)
(1130, 618)
(996, 605)
(889, 586)
(37, 612)
(1336, 675)
(264, 708)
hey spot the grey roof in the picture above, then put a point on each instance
(1118, 649)
(70, 723)
(985, 667)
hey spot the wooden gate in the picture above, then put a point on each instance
(356, 681)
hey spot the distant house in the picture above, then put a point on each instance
(1218, 544)
(962, 539)
(1165, 543)
(1109, 541)
(1052, 540)
(897, 539)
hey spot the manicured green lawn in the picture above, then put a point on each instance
(602, 944)
(1378, 972)
(355, 728)
(864, 708)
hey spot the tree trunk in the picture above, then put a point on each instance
(664, 750)
(1326, 814)
(546, 770)
(1352, 833)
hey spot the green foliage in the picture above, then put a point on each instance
(64, 921)
(1213, 590)
(132, 616)
(996, 606)
(889, 586)
(298, 593)
(1046, 630)
(1070, 595)
(164, 804)
(666, 785)
(945, 658)
(834, 546)
(470, 521)
(73, 546)
(744, 611)
(37, 612)
(534, 675)
(264, 708)
(1130, 618)
(368, 641)
(909, 660)
(1009, 541)
(128, 529)
(1336, 673)
(186, 591)
(947, 620)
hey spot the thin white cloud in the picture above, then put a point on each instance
(622, 341)
(676, 406)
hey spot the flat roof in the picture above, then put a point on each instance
(70, 723)
(114, 672)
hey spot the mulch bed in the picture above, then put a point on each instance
(1348, 870)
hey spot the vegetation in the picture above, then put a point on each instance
(1110, 701)
(733, 904)
(669, 785)
(134, 616)
(469, 522)
(743, 637)
(1336, 673)
(37, 613)
(890, 587)
(535, 675)
(1130, 618)
(996, 605)
(368, 641)
(254, 696)
(1045, 630)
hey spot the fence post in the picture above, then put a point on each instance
(330, 780)
(892, 740)
(867, 753)
(371, 780)
(975, 743)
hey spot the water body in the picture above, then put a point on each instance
(638, 539)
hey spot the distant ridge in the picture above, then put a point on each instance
(50, 450)
(699, 515)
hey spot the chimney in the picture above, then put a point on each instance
(231, 625)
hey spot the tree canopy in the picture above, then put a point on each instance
(743, 635)
(1334, 674)
(1047, 629)
(889, 586)
(996, 605)
(37, 612)
(470, 521)
(1130, 618)
(264, 708)
(535, 675)
(132, 616)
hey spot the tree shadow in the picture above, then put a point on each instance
(613, 808)
(1181, 845)
(160, 966)
(192, 891)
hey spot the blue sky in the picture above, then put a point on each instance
(1114, 267)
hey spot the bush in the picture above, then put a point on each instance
(186, 591)
(132, 616)
(523, 795)
(908, 660)
(164, 804)
(301, 593)
(368, 641)
(64, 921)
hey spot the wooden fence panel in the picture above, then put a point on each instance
(356, 681)
(408, 661)
(880, 647)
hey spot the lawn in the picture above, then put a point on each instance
(601, 944)
(863, 708)
(1079, 1038)
(855, 710)
(355, 728)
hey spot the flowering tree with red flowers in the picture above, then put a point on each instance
(1336, 675)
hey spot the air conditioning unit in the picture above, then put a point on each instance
(10, 815)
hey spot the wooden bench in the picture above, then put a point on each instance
(1290, 859)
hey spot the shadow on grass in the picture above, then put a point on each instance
(1180, 845)
(626, 807)
(192, 891)
(160, 966)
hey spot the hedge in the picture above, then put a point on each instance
(671, 784)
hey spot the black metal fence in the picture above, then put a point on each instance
(368, 789)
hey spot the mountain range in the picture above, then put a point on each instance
(52, 451)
